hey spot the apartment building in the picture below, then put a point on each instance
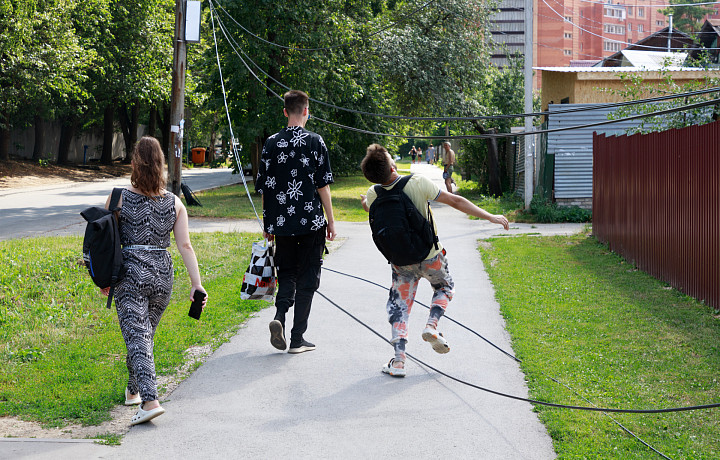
(590, 30)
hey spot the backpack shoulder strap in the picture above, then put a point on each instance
(115, 198)
(402, 182)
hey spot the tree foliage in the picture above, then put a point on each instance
(408, 58)
(636, 88)
(687, 17)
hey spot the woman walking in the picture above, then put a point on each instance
(147, 216)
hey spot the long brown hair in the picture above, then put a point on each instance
(148, 173)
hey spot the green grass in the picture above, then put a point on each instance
(508, 204)
(619, 337)
(232, 202)
(62, 357)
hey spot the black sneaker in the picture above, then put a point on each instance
(277, 335)
(301, 347)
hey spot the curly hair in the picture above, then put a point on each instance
(377, 165)
(148, 173)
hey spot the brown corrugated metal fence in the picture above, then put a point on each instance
(656, 202)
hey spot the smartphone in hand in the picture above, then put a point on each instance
(196, 306)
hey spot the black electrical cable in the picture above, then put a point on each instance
(383, 29)
(514, 358)
(520, 398)
(236, 49)
(509, 355)
(484, 136)
(530, 133)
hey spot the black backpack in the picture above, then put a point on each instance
(399, 230)
(102, 251)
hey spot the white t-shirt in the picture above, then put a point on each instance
(420, 189)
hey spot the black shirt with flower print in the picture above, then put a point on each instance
(294, 163)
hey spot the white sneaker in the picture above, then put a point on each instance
(389, 369)
(435, 339)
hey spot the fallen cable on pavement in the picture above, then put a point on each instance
(520, 398)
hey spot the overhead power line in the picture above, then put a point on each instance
(326, 48)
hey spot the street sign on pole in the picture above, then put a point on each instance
(177, 100)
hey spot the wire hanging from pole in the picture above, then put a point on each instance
(232, 134)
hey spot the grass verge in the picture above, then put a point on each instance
(232, 202)
(62, 357)
(620, 338)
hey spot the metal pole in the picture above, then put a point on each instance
(177, 100)
(529, 163)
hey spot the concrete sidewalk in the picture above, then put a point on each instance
(251, 401)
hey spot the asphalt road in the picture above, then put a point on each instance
(55, 210)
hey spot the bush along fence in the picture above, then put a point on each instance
(656, 202)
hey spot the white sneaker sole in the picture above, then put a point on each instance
(438, 342)
(302, 349)
(393, 371)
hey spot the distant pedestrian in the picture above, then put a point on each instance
(448, 161)
(294, 179)
(148, 214)
(379, 168)
(430, 154)
(413, 155)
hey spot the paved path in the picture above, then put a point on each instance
(252, 401)
(55, 210)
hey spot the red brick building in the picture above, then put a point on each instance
(590, 30)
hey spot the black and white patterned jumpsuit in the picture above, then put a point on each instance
(144, 293)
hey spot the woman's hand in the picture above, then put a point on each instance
(201, 289)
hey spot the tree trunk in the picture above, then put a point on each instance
(67, 132)
(492, 160)
(165, 127)
(108, 134)
(134, 117)
(128, 125)
(152, 123)
(4, 144)
(493, 166)
(39, 138)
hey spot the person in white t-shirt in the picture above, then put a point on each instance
(379, 168)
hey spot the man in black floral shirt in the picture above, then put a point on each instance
(294, 179)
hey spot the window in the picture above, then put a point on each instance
(641, 28)
(609, 45)
(614, 29)
(660, 23)
(568, 18)
(641, 12)
(629, 10)
(629, 27)
(567, 35)
(614, 12)
(567, 52)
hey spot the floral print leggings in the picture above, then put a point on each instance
(405, 281)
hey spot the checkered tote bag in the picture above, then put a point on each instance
(261, 276)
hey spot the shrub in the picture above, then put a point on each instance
(548, 212)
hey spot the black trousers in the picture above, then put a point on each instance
(299, 261)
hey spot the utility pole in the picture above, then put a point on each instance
(529, 163)
(177, 100)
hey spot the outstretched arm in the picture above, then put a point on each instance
(464, 205)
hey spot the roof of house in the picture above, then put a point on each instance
(655, 42)
(617, 69)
